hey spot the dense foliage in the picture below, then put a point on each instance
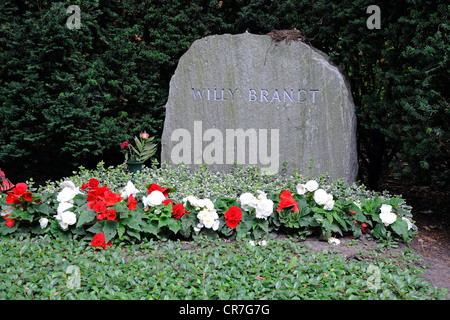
(49, 269)
(71, 96)
(108, 205)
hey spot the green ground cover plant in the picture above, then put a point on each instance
(42, 268)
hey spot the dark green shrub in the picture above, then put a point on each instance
(75, 95)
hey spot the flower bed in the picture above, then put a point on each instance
(108, 205)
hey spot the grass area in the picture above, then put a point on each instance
(39, 268)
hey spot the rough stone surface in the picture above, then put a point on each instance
(251, 82)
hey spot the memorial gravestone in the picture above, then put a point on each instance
(248, 99)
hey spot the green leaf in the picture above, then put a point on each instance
(86, 217)
(174, 225)
(400, 227)
(43, 208)
(132, 223)
(25, 215)
(292, 263)
(96, 228)
(109, 229)
(149, 228)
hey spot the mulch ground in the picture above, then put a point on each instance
(431, 210)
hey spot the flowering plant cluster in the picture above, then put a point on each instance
(101, 215)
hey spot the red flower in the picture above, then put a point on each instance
(363, 227)
(12, 199)
(155, 187)
(144, 135)
(93, 183)
(99, 241)
(111, 198)
(167, 201)
(101, 216)
(111, 214)
(20, 189)
(131, 202)
(28, 196)
(286, 194)
(233, 217)
(9, 222)
(178, 211)
(352, 212)
(287, 201)
(124, 145)
(99, 207)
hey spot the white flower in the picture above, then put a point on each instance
(67, 194)
(261, 195)
(209, 219)
(66, 218)
(153, 199)
(63, 206)
(311, 185)
(68, 184)
(198, 203)
(386, 208)
(246, 200)
(333, 241)
(262, 243)
(252, 243)
(264, 208)
(329, 205)
(191, 199)
(7, 210)
(43, 222)
(301, 189)
(387, 216)
(358, 203)
(410, 224)
(128, 190)
(321, 197)
(208, 204)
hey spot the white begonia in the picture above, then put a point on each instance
(264, 208)
(64, 206)
(387, 216)
(320, 197)
(247, 200)
(410, 224)
(301, 189)
(153, 199)
(209, 219)
(261, 195)
(333, 241)
(66, 218)
(129, 189)
(68, 184)
(311, 185)
(67, 194)
(43, 222)
(192, 200)
(6, 209)
(329, 205)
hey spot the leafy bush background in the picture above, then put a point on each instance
(70, 97)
